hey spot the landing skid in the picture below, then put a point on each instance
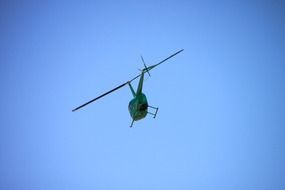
(154, 114)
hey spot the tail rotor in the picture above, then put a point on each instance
(145, 67)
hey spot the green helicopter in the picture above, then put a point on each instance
(138, 106)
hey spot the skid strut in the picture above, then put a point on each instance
(132, 123)
(154, 108)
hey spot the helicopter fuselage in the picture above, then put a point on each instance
(138, 107)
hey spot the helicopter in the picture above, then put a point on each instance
(138, 106)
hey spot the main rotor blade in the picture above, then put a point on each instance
(100, 96)
(151, 67)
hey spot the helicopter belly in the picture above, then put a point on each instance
(138, 108)
(139, 115)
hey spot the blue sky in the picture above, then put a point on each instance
(221, 118)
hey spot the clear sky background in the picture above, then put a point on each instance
(221, 119)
